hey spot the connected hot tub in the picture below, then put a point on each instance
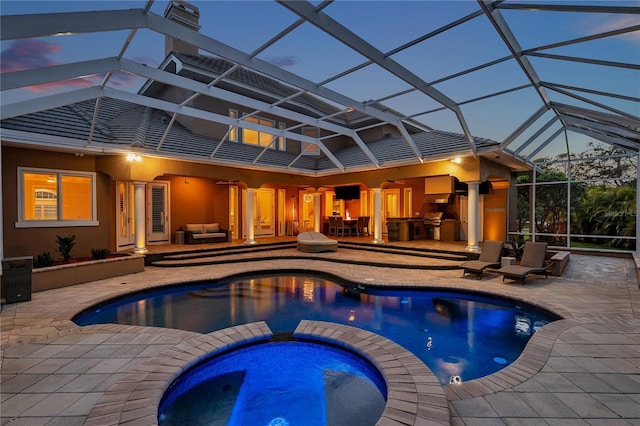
(278, 383)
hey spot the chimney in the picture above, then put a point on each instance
(184, 14)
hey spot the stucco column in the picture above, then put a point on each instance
(377, 216)
(473, 215)
(250, 217)
(139, 189)
(316, 212)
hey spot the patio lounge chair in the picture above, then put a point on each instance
(533, 262)
(489, 258)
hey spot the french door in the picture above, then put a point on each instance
(125, 237)
(158, 224)
(390, 205)
(264, 212)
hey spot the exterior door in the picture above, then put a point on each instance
(264, 212)
(390, 205)
(233, 212)
(307, 211)
(407, 202)
(158, 224)
(282, 212)
(125, 237)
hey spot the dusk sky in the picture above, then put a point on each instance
(312, 54)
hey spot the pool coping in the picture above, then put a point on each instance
(414, 395)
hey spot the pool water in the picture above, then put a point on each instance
(283, 384)
(459, 336)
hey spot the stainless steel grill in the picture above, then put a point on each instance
(433, 218)
(432, 222)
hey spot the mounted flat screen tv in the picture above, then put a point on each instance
(351, 192)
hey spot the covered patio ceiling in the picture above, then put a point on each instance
(531, 80)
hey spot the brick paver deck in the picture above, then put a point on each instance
(581, 370)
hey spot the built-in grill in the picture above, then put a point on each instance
(432, 222)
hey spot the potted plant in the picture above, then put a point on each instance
(65, 245)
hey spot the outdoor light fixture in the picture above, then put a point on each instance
(134, 157)
(456, 160)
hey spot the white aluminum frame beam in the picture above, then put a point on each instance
(599, 127)
(501, 26)
(568, 8)
(536, 135)
(40, 76)
(544, 144)
(631, 122)
(328, 25)
(13, 27)
(554, 86)
(611, 140)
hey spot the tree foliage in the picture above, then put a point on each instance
(606, 209)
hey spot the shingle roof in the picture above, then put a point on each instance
(121, 124)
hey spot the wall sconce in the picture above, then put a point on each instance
(134, 157)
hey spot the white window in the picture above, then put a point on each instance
(49, 198)
(233, 134)
(282, 141)
(310, 148)
(254, 137)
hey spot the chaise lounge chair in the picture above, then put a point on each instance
(532, 262)
(489, 258)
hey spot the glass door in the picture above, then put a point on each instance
(264, 212)
(158, 212)
(125, 237)
(233, 212)
(390, 206)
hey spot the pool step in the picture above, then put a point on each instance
(432, 259)
(408, 251)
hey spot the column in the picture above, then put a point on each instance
(249, 217)
(473, 215)
(139, 215)
(317, 216)
(377, 216)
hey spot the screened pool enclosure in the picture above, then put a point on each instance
(549, 89)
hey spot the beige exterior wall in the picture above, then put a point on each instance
(35, 241)
(203, 200)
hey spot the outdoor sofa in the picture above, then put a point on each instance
(200, 233)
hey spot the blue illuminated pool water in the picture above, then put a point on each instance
(279, 384)
(459, 336)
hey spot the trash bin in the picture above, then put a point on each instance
(16, 278)
(179, 237)
(393, 230)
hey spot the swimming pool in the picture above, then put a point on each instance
(282, 383)
(459, 336)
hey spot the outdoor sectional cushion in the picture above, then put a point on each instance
(204, 232)
(314, 242)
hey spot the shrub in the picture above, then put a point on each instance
(99, 253)
(65, 244)
(43, 260)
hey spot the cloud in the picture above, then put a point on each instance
(32, 54)
(284, 61)
(620, 22)
(28, 54)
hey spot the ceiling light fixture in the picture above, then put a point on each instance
(456, 160)
(134, 157)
